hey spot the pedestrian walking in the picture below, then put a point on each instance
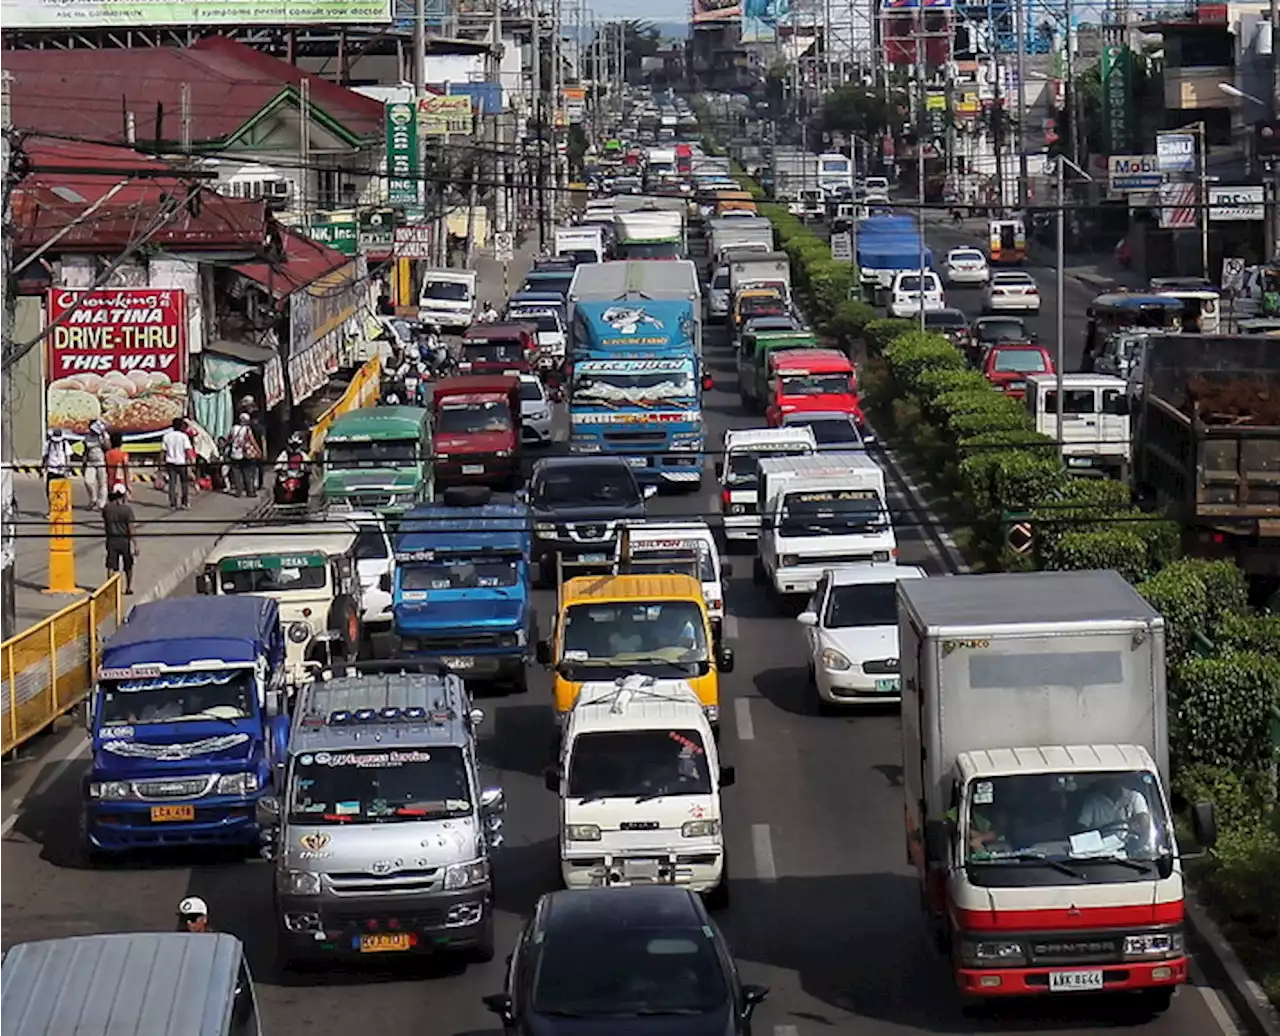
(57, 455)
(244, 456)
(193, 915)
(96, 443)
(178, 453)
(121, 530)
(117, 461)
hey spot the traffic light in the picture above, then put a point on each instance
(1266, 137)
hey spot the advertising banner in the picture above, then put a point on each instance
(337, 230)
(119, 356)
(1176, 152)
(403, 186)
(414, 242)
(145, 14)
(1133, 173)
(444, 116)
(1237, 204)
(377, 232)
(705, 11)
(1117, 99)
(1177, 206)
(486, 98)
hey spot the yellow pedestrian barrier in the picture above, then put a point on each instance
(362, 391)
(62, 553)
(50, 668)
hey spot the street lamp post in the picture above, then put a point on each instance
(1273, 215)
(1060, 353)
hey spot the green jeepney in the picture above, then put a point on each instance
(754, 348)
(378, 459)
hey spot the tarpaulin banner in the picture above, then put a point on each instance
(118, 355)
(716, 11)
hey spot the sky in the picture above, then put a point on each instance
(653, 10)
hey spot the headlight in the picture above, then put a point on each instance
(736, 508)
(880, 555)
(544, 529)
(465, 875)
(700, 828)
(582, 832)
(1158, 944)
(788, 561)
(502, 453)
(110, 791)
(299, 883)
(240, 784)
(516, 639)
(540, 415)
(991, 952)
(442, 456)
(299, 632)
(833, 659)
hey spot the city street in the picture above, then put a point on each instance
(824, 907)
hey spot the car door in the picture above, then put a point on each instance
(816, 604)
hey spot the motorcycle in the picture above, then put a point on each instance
(292, 485)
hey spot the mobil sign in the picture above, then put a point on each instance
(1133, 173)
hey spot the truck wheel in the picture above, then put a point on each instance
(1152, 1002)
(344, 619)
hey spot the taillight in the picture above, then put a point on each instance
(724, 498)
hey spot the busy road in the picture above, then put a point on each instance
(824, 907)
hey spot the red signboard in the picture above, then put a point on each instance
(119, 355)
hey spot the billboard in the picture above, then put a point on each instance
(403, 185)
(444, 116)
(486, 98)
(118, 355)
(757, 30)
(1133, 173)
(706, 12)
(147, 14)
(1237, 204)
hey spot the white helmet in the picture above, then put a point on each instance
(193, 906)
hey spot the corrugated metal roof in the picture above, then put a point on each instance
(305, 262)
(141, 984)
(84, 93)
(632, 588)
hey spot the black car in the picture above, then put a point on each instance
(576, 504)
(834, 431)
(952, 323)
(640, 961)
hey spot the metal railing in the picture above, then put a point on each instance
(363, 391)
(48, 669)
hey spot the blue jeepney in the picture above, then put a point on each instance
(187, 719)
(461, 592)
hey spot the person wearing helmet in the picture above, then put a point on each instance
(193, 915)
(293, 472)
(490, 315)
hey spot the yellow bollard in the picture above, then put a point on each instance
(403, 283)
(62, 553)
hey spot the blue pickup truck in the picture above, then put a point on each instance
(636, 388)
(187, 720)
(461, 593)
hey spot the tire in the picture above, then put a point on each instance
(93, 858)
(757, 573)
(344, 619)
(1151, 1002)
(483, 951)
(717, 899)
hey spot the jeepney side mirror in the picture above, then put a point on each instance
(724, 659)
(267, 815)
(384, 582)
(88, 713)
(542, 652)
(937, 840)
(1204, 824)
(719, 468)
(649, 492)
(551, 778)
(493, 801)
(726, 571)
(204, 583)
(521, 496)
(728, 776)
(1119, 406)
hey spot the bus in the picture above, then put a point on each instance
(835, 173)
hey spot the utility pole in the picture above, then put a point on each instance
(557, 93)
(1020, 23)
(184, 118)
(922, 119)
(540, 174)
(8, 560)
(304, 145)
(1275, 116)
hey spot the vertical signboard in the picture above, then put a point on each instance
(403, 186)
(1117, 103)
(118, 355)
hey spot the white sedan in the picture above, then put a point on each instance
(1013, 292)
(967, 266)
(851, 626)
(535, 411)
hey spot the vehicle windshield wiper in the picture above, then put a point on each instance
(1030, 857)
(559, 1012)
(658, 1012)
(1141, 866)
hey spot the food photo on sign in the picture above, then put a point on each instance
(118, 355)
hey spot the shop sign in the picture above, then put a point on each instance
(447, 116)
(1237, 204)
(1176, 152)
(377, 232)
(403, 185)
(337, 230)
(414, 242)
(118, 355)
(1133, 173)
(1117, 100)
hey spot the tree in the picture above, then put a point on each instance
(857, 110)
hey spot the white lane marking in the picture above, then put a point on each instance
(762, 850)
(50, 779)
(1220, 1014)
(785, 1030)
(742, 717)
(730, 626)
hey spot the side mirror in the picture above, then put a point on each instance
(492, 800)
(267, 811)
(500, 1004)
(1119, 406)
(1204, 824)
(937, 840)
(649, 492)
(807, 618)
(521, 496)
(728, 776)
(752, 997)
(551, 778)
(204, 583)
(868, 440)
(542, 652)
(384, 582)
(724, 659)
(719, 468)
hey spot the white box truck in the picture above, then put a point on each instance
(1035, 766)
(761, 270)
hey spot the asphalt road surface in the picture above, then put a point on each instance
(824, 908)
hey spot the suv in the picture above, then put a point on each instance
(576, 504)
(382, 834)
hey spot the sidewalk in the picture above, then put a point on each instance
(171, 544)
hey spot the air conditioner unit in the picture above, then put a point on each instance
(277, 188)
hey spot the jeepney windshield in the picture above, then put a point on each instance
(178, 696)
(272, 573)
(644, 764)
(371, 453)
(657, 638)
(837, 384)
(378, 786)
(1065, 818)
(460, 574)
(649, 382)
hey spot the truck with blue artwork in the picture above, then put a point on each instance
(187, 721)
(460, 595)
(636, 388)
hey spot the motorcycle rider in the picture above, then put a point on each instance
(293, 462)
(489, 315)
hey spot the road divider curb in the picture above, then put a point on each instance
(935, 532)
(1254, 1007)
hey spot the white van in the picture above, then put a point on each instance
(685, 548)
(1096, 435)
(639, 781)
(449, 298)
(904, 293)
(584, 244)
(739, 473)
(820, 512)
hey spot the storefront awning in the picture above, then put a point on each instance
(227, 360)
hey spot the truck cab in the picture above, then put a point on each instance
(185, 723)
(811, 379)
(751, 303)
(763, 338)
(739, 474)
(678, 548)
(498, 349)
(378, 459)
(449, 298)
(311, 571)
(476, 423)
(1096, 436)
(461, 590)
(638, 777)
(383, 834)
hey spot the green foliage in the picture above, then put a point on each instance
(879, 333)
(995, 426)
(915, 352)
(1196, 596)
(1115, 547)
(1245, 881)
(856, 110)
(1223, 710)
(1260, 633)
(850, 319)
(1240, 797)
(1023, 478)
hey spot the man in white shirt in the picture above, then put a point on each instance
(176, 447)
(1109, 803)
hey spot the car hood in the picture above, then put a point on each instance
(381, 850)
(589, 513)
(127, 751)
(456, 608)
(353, 480)
(713, 1023)
(864, 642)
(474, 442)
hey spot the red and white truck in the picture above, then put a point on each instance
(1036, 765)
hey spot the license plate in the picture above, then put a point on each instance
(473, 469)
(1013, 386)
(593, 559)
(640, 870)
(458, 662)
(890, 683)
(387, 943)
(1074, 981)
(1079, 462)
(163, 814)
(637, 462)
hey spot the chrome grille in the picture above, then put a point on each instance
(880, 665)
(179, 788)
(1075, 951)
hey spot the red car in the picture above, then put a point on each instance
(476, 430)
(812, 379)
(499, 349)
(1007, 365)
